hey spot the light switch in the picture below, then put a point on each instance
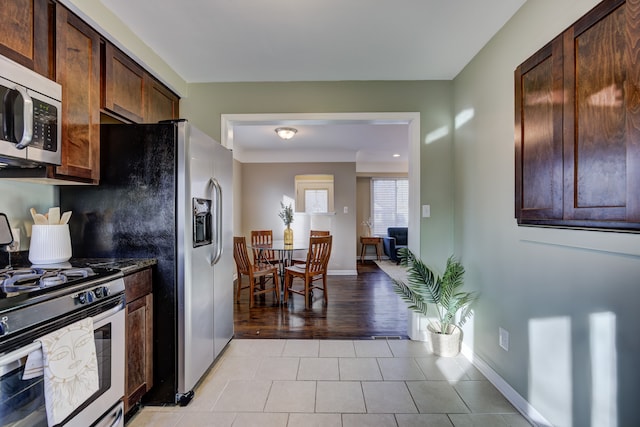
(426, 211)
(346, 209)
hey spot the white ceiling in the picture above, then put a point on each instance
(337, 140)
(306, 40)
(317, 40)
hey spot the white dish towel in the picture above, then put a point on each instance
(70, 368)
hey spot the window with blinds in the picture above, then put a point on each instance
(389, 204)
(316, 201)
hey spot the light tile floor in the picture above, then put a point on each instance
(290, 383)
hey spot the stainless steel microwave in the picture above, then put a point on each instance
(30, 112)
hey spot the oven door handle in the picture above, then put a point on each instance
(26, 350)
(16, 355)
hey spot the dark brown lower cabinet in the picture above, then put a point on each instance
(139, 339)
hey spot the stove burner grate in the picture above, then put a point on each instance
(28, 279)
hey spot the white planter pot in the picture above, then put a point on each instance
(417, 325)
(445, 345)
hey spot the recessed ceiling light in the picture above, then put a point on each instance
(396, 155)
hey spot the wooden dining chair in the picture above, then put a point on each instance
(254, 271)
(315, 268)
(263, 237)
(312, 233)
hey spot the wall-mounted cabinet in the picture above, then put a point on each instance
(577, 124)
(160, 102)
(26, 33)
(132, 93)
(538, 126)
(46, 37)
(78, 71)
(123, 85)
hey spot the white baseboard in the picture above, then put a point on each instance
(342, 272)
(519, 402)
(373, 258)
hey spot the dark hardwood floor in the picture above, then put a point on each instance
(360, 307)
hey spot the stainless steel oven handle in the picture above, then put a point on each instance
(18, 354)
(100, 317)
(27, 133)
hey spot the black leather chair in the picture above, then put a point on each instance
(396, 238)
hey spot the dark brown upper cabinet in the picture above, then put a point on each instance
(161, 103)
(48, 38)
(26, 33)
(123, 85)
(539, 135)
(78, 71)
(131, 93)
(577, 124)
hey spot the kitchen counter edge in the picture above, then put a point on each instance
(126, 265)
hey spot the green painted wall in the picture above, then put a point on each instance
(568, 298)
(432, 99)
(16, 198)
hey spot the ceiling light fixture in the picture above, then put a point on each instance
(286, 133)
(396, 155)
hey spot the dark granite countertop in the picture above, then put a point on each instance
(126, 265)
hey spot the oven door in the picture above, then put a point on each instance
(22, 401)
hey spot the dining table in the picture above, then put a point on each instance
(284, 253)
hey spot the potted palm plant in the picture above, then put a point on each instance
(453, 307)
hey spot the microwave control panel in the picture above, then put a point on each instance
(45, 126)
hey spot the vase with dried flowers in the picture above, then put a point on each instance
(366, 225)
(286, 214)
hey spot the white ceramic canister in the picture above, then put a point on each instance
(50, 244)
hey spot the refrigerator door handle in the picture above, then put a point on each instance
(217, 218)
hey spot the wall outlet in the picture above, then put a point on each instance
(503, 339)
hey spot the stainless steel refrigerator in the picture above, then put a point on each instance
(165, 193)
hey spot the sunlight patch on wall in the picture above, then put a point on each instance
(604, 387)
(437, 134)
(463, 117)
(286, 200)
(550, 379)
